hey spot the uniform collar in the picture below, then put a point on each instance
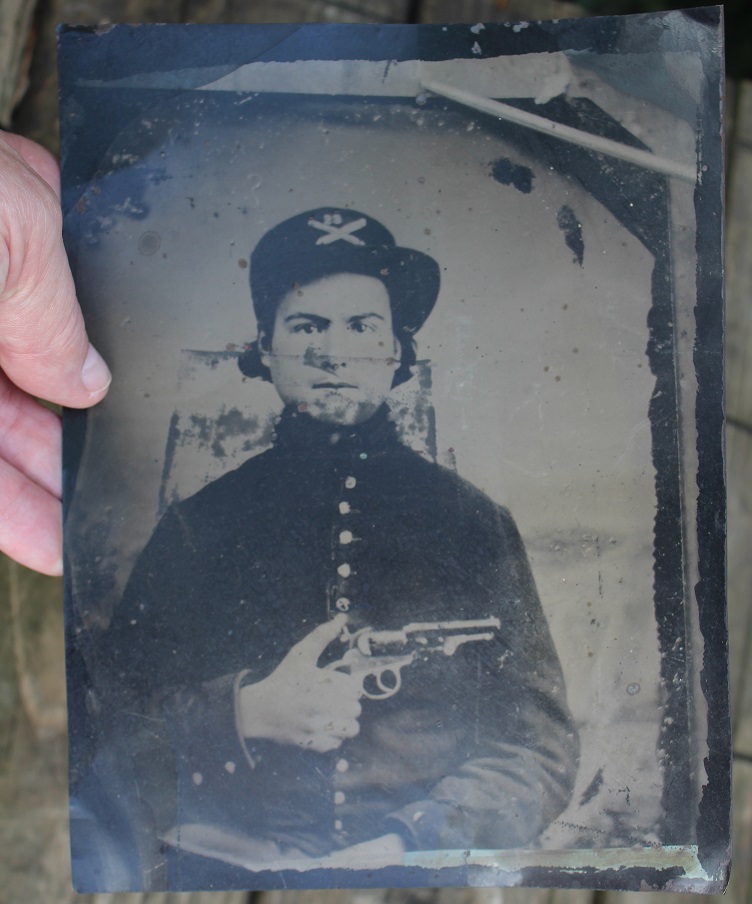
(300, 432)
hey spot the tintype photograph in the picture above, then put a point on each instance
(395, 555)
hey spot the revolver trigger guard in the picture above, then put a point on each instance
(386, 690)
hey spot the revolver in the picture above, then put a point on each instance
(378, 657)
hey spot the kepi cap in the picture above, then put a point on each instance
(330, 240)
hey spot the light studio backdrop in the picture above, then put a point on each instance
(558, 372)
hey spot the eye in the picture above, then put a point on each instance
(306, 327)
(360, 326)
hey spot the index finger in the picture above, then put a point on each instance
(313, 645)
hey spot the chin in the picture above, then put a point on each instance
(343, 412)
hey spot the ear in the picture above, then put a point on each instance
(397, 353)
(264, 347)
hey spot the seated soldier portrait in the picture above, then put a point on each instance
(336, 649)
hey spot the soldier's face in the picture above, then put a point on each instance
(333, 353)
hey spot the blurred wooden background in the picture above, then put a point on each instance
(33, 793)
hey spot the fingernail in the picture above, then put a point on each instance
(95, 374)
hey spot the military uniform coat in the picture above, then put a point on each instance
(476, 750)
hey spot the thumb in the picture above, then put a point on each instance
(313, 645)
(44, 348)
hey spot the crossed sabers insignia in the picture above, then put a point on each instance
(335, 229)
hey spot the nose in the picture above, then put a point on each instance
(323, 359)
(333, 348)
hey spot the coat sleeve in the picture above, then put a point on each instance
(169, 683)
(519, 762)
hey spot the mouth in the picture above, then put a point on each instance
(330, 384)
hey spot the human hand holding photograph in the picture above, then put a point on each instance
(363, 323)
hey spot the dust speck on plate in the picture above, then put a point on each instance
(149, 243)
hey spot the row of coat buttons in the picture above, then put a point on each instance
(339, 796)
(344, 569)
(343, 604)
